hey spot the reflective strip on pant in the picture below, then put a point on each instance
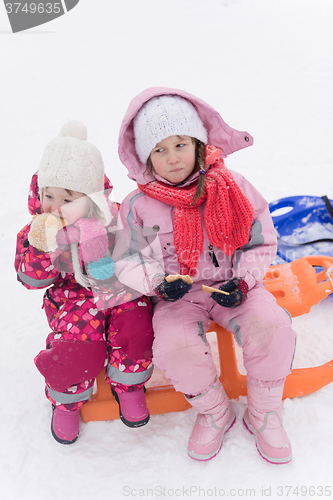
(62, 398)
(127, 378)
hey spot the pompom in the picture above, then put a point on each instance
(74, 128)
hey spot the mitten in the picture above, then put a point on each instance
(172, 291)
(70, 362)
(68, 235)
(237, 289)
(43, 232)
(92, 238)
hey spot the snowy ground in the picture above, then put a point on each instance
(266, 65)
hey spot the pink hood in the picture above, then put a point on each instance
(225, 138)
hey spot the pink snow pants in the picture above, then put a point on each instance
(259, 325)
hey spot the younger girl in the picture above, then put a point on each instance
(190, 215)
(94, 320)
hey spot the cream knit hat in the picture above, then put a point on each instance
(163, 116)
(70, 162)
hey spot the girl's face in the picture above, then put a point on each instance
(174, 158)
(59, 202)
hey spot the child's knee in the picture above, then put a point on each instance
(190, 370)
(131, 329)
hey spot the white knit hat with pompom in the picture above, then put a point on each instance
(70, 162)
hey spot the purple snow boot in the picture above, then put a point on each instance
(65, 425)
(133, 410)
(263, 418)
(215, 418)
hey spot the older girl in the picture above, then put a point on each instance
(192, 216)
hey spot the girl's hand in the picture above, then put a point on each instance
(43, 232)
(172, 291)
(237, 289)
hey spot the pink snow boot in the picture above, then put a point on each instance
(215, 418)
(65, 425)
(263, 418)
(133, 410)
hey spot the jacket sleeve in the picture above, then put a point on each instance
(34, 268)
(137, 254)
(251, 261)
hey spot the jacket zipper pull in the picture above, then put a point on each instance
(213, 256)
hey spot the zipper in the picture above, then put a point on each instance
(212, 255)
(47, 293)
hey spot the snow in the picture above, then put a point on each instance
(267, 67)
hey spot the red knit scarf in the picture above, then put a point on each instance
(228, 213)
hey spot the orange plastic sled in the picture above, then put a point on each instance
(297, 287)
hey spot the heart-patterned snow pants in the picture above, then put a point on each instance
(89, 333)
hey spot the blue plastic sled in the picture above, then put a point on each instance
(305, 227)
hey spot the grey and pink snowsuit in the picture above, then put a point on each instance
(107, 326)
(145, 248)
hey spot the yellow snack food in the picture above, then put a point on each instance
(43, 231)
(174, 277)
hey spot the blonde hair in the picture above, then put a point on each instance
(199, 162)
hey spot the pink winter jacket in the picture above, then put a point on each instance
(144, 242)
(36, 269)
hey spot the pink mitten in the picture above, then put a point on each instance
(68, 234)
(93, 248)
(70, 362)
(93, 240)
(91, 236)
